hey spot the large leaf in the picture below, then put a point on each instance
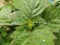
(5, 15)
(30, 8)
(39, 36)
(52, 16)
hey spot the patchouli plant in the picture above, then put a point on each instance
(30, 22)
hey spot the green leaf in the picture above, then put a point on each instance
(29, 9)
(38, 36)
(39, 19)
(10, 18)
(52, 16)
(3, 31)
(4, 36)
(57, 41)
(5, 15)
(19, 19)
